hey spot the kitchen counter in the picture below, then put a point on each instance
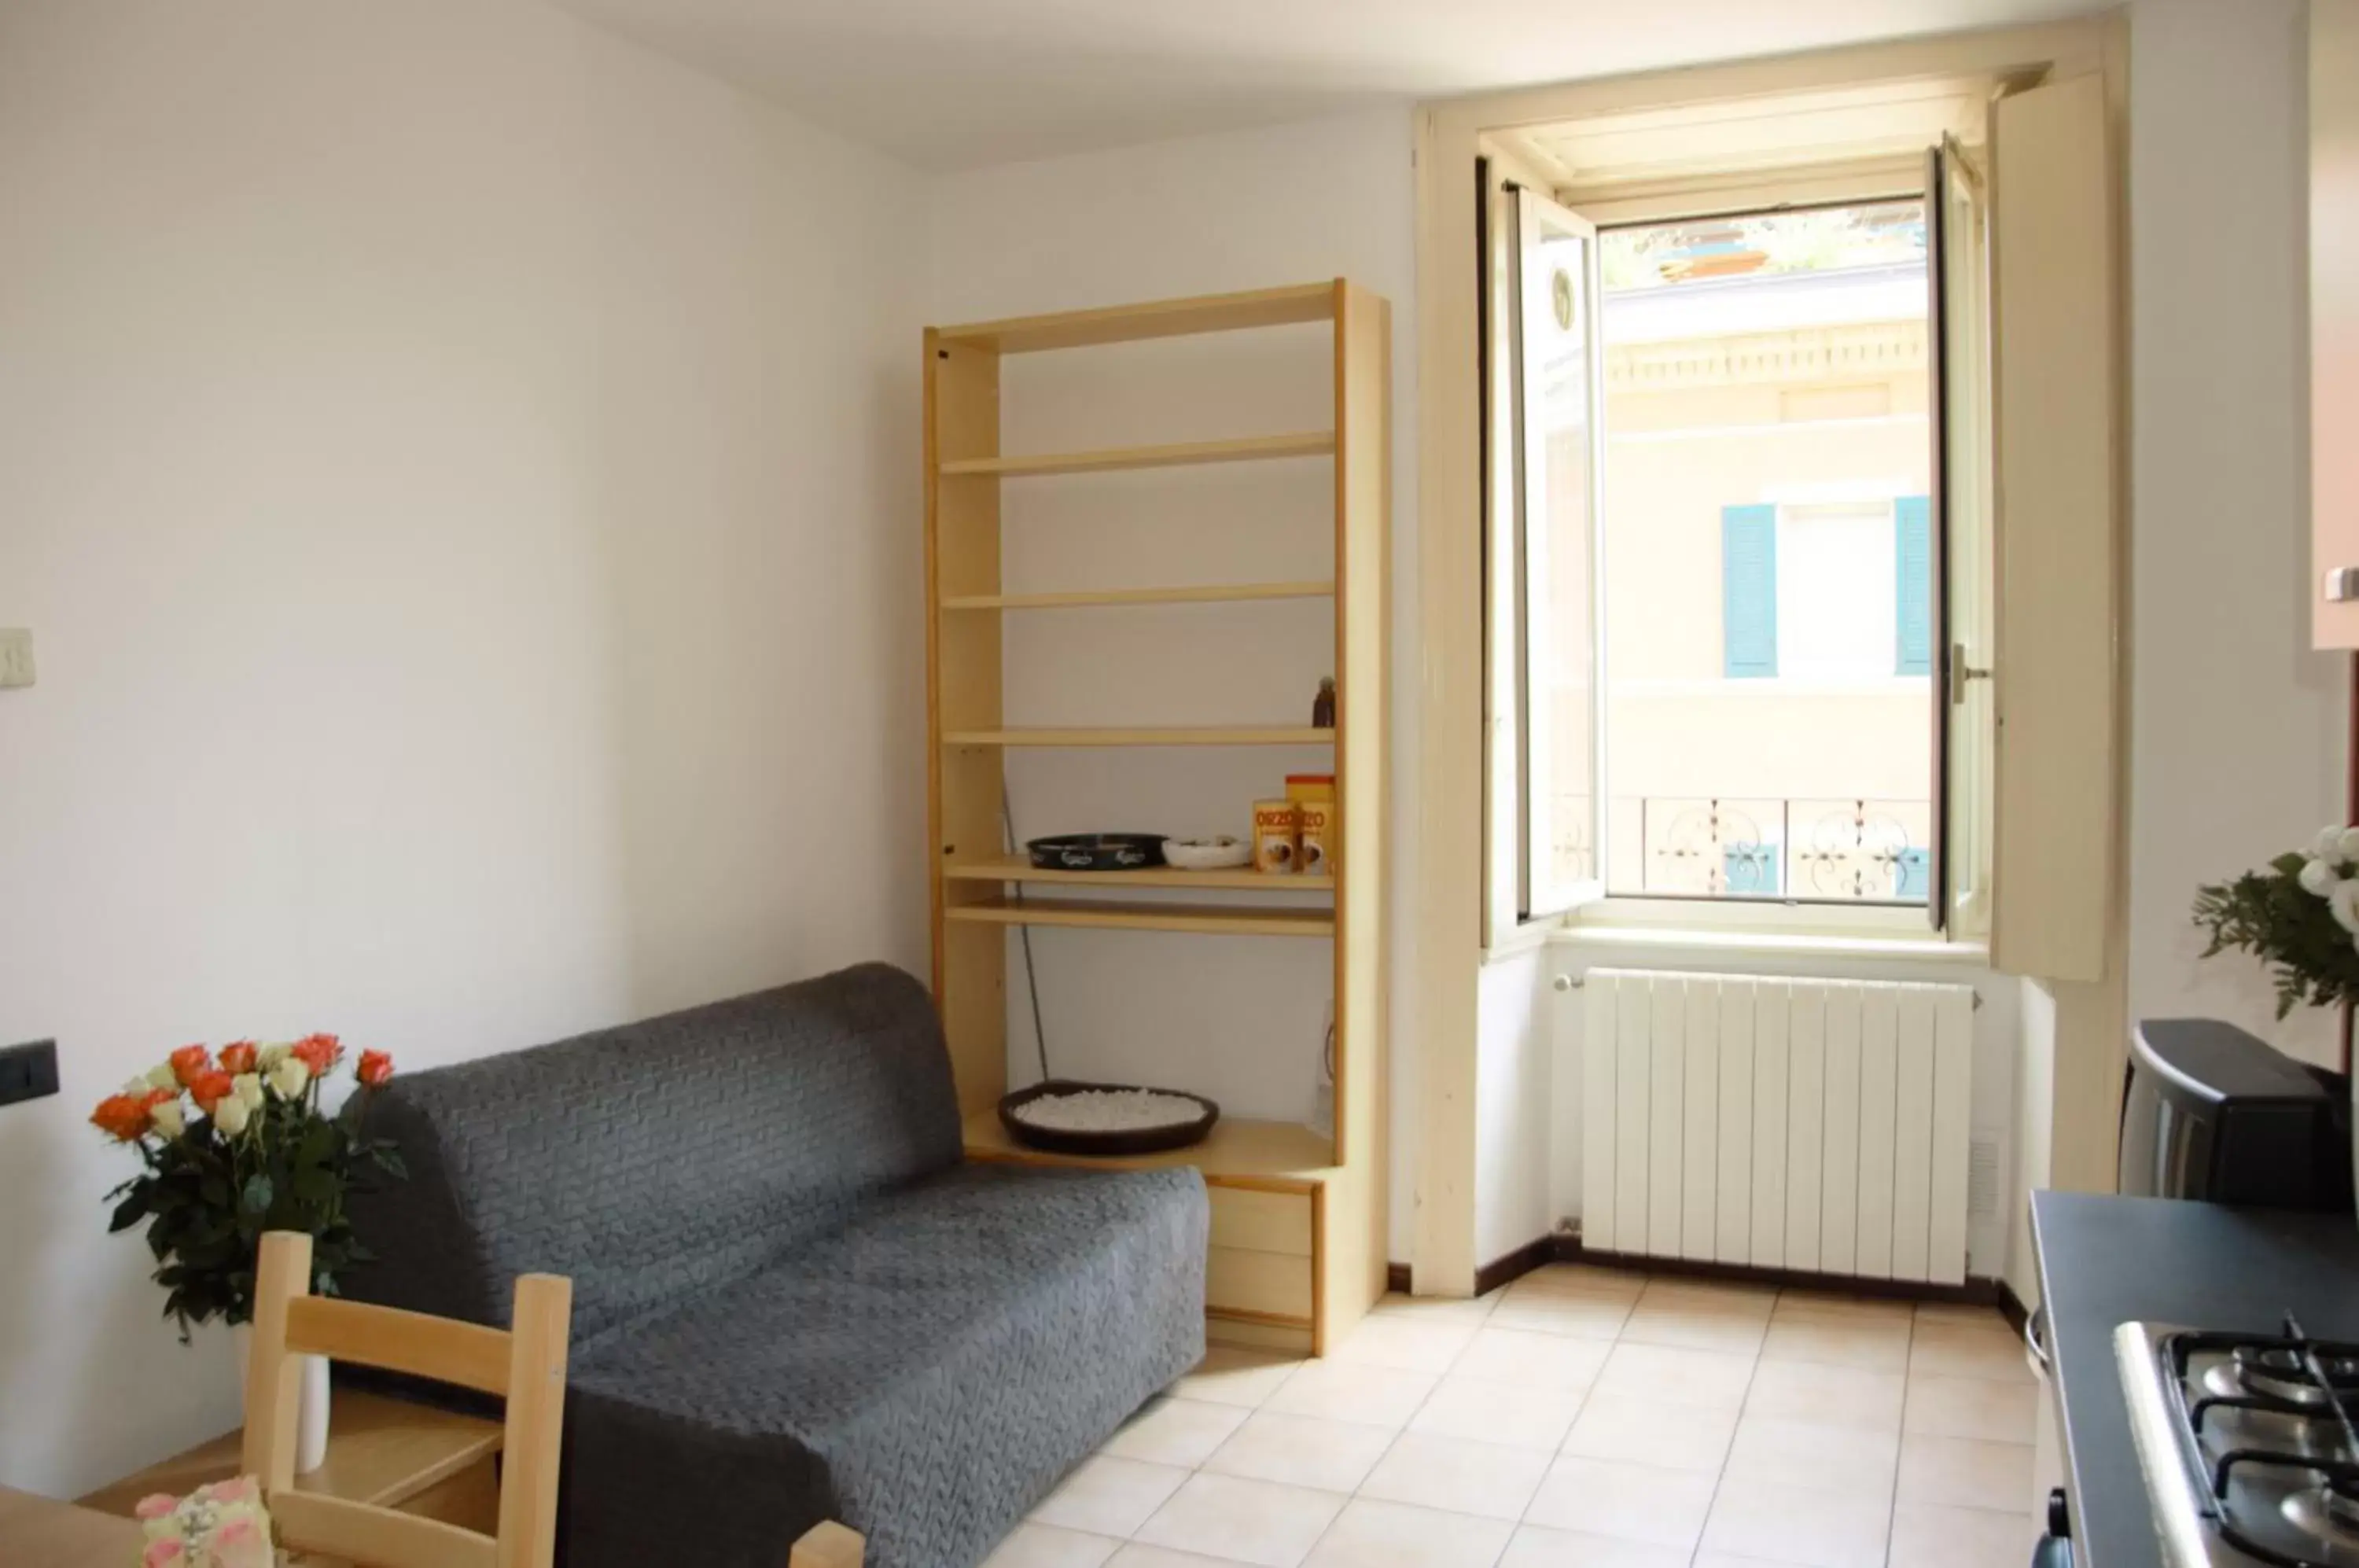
(2106, 1260)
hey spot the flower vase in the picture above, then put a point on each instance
(310, 1406)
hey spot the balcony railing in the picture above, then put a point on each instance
(1841, 851)
(1847, 851)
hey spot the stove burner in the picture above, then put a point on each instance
(2279, 1372)
(2342, 1502)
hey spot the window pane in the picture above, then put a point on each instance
(1559, 552)
(1768, 719)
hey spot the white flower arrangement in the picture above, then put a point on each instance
(223, 1525)
(2300, 916)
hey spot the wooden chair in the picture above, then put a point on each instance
(523, 1365)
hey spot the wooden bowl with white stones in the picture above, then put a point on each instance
(1107, 1120)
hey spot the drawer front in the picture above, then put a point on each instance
(1255, 1221)
(1265, 1284)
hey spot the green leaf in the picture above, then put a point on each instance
(130, 1212)
(255, 1199)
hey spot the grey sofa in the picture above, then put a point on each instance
(791, 1300)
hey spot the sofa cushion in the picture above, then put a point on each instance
(924, 1375)
(660, 1159)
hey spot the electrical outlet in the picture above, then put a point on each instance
(28, 1071)
(16, 657)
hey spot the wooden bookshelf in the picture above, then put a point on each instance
(1299, 1217)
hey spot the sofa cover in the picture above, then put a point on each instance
(792, 1300)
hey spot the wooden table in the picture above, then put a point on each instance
(383, 1451)
(39, 1532)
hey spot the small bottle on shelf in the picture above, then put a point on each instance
(1322, 707)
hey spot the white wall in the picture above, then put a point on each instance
(1518, 1104)
(1238, 1019)
(2238, 730)
(462, 475)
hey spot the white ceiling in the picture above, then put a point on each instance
(962, 83)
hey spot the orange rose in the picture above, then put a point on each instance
(210, 1089)
(188, 1061)
(125, 1117)
(317, 1051)
(374, 1069)
(238, 1058)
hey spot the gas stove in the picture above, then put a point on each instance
(2247, 1445)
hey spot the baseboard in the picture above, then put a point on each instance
(2011, 1307)
(1568, 1249)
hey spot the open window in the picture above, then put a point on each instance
(1738, 536)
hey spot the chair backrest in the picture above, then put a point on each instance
(524, 1364)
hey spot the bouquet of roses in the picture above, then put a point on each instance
(2300, 916)
(235, 1145)
(222, 1525)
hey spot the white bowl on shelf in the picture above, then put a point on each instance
(1222, 853)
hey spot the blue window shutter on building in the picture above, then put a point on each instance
(1915, 867)
(1750, 868)
(1912, 522)
(1748, 591)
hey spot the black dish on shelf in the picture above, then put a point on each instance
(1109, 1144)
(1097, 852)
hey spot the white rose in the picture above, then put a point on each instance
(2328, 845)
(231, 1116)
(289, 1076)
(161, 1076)
(270, 1056)
(165, 1118)
(138, 1085)
(2344, 902)
(2347, 843)
(248, 1086)
(2316, 876)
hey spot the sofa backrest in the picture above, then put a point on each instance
(660, 1160)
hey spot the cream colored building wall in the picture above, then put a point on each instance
(1696, 426)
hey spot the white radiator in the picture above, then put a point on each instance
(1813, 1125)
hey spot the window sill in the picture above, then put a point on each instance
(1910, 950)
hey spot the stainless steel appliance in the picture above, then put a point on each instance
(2246, 1445)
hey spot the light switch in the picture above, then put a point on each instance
(16, 657)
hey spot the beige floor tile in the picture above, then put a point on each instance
(1046, 1546)
(1822, 1305)
(1822, 1458)
(1412, 1345)
(1798, 1525)
(1452, 1473)
(1878, 1344)
(1483, 1410)
(1535, 1546)
(1534, 1360)
(1958, 1312)
(1966, 1472)
(1962, 1350)
(1436, 1309)
(1717, 1560)
(1105, 1496)
(1257, 1523)
(1712, 1379)
(1344, 1390)
(1629, 1502)
(1302, 1450)
(1827, 1396)
(1175, 1432)
(1231, 1377)
(1372, 1534)
(1756, 1301)
(1584, 1279)
(1973, 1407)
(1738, 1333)
(1555, 1312)
(1927, 1535)
(1136, 1554)
(1651, 1431)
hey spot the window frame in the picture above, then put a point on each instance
(1507, 929)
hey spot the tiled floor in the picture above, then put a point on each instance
(1582, 1416)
